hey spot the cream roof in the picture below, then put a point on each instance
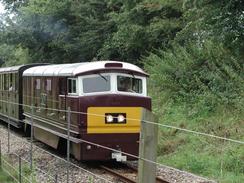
(78, 68)
(10, 69)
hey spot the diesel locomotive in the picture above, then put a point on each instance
(105, 99)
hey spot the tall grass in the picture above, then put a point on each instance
(10, 171)
(4, 178)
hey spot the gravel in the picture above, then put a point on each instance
(49, 166)
(174, 175)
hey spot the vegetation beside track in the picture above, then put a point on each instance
(4, 178)
(10, 170)
(199, 89)
(199, 85)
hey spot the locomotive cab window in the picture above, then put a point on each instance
(72, 88)
(96, 84)
(129, 84)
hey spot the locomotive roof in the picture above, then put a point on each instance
(75, 69)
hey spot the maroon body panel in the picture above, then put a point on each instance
(109, 100)
(128, 143)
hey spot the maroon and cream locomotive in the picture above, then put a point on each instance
(105, 98)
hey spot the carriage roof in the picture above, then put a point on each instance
(10, 69)
(76, 69)
(19, 68)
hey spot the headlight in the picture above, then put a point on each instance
(109, 118)
(115, 118)
(121, 118)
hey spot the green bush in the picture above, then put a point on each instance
(203, 77)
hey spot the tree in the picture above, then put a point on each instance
(74, 31)
(141, 27)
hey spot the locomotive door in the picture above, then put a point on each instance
(72, 101)
(62, 85)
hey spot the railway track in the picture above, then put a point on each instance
(127, 174)
(127, 177)
(51, 161)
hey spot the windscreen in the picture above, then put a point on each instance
(129, 84)
(96, 84)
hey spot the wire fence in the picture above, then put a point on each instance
(50, 168)
(132, 119)
(55, 178)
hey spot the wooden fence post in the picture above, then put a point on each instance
(148, 148)
(0, 155)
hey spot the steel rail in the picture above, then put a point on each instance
(125, 178)
(119, 175)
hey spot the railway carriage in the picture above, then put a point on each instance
(11, 94)
(105, 98)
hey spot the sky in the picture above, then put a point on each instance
(1, 8)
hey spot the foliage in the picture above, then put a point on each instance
(14, 5)
(208, 76)
(70, 31)
(141, 27)
(198, 83)
(13, 55)
(220, 20)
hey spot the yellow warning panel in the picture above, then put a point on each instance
(96, 120)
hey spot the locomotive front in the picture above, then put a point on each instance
(106, 99)
(111, 100)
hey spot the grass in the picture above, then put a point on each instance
(4, 178)
(205, 156)
(10, 166)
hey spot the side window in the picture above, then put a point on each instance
(38, 84)
(16, 81)
(72, 88)
(10, 87)
(62, 83)
(49, 85)
(12, 82)
(5, 81)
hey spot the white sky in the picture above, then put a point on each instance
(1, 8)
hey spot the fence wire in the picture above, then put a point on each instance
(133, 119)
(112, 149)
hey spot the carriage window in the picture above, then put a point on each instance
(38, 84)
(12, 84)
(10, 87)
(72, 86)
(49, 85)
(5, 81)
(96, 84)
(16, 81)
(129, 84)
